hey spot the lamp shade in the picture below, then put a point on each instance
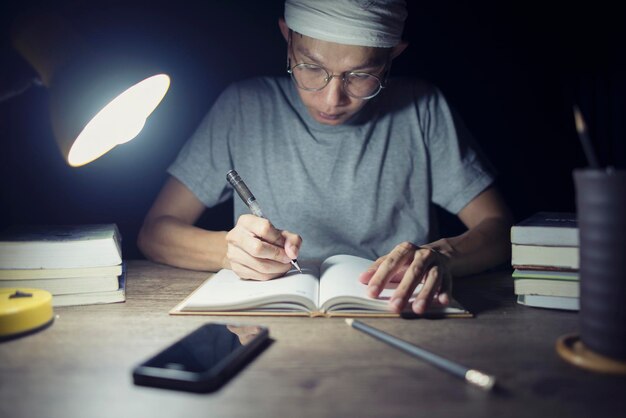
(96, 101)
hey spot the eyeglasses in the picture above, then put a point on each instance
(313, 77)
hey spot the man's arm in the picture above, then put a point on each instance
(486, 243)
(253, 248)
(168, 234)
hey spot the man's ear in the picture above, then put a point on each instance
(284, 29)
(397, 50)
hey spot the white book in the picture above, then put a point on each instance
(329, 289)
(552, 302)
(60, 273)
(541, 256)
(67, 285)
(58, 247)
(547, 287)
(93, 298)
(547, 228)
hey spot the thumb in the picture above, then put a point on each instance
(292, 244)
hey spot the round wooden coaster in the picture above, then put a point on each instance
(572, 349)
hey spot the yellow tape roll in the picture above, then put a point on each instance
(23, 310)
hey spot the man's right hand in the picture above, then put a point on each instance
(257, 250)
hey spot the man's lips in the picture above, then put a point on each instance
(330, 116)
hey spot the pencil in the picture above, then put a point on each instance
(581, 128)
(472, 376)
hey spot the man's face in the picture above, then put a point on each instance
(331, 105)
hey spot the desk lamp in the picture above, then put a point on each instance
(93, 108)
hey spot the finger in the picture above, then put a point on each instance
(367, 274)
(292, 244)
(261, 228)
(412, 277)
(443, 298)
(425, 296)
(395, 260)
(255, 246)
(247, 273)
(250, 267)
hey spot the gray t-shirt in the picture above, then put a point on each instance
(359, 188)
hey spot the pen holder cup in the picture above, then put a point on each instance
(601, 214)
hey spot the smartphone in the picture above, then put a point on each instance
(203, 360)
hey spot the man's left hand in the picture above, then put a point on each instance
(409, 265)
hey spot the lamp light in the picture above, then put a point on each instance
(95, 105)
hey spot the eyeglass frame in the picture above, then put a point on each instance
(382, 81)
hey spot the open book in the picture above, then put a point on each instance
(329, 289)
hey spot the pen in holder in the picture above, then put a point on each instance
(601, 214)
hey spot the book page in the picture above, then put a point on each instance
(340, 279)
(225, 291)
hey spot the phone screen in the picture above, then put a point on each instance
(205, 348)
(203, 359)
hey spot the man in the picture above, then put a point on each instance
(349, 160)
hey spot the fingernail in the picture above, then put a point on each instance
(443, 299)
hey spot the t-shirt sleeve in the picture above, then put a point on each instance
(204, 160)
(460, 172)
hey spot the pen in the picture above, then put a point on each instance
(475, 377)
(248, 198)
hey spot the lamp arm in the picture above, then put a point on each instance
(20, 87)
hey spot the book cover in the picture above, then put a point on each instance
(329, 289)
(547, 228)
(538, 257)
(93, 298)
(58, 247)
(546, 274)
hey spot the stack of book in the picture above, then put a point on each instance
(78, 265)
(545, 258)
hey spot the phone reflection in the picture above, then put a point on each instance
(205, 348)
(245, 333)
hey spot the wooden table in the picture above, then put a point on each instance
(315, 367)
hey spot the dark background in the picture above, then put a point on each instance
(512, 70)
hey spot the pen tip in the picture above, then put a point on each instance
(349, 321)
(296, 265)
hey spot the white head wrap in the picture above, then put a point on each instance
(351, 22)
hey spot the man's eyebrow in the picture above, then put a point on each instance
(371, 63)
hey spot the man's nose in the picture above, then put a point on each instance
(335, 94)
